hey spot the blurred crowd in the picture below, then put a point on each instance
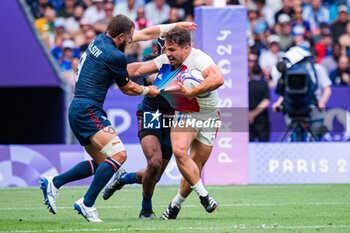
(323, 26)
(69, 26)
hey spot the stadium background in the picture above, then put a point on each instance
(35, 93)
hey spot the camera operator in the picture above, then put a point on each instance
(314, 117)
(259, 100)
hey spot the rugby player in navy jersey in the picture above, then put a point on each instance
(156, 146)
(102, 63)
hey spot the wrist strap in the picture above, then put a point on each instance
(163, 28)
(145, 90)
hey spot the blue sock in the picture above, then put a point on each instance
(129, 178)
(146, 203)
(103, 174)
(81, 170)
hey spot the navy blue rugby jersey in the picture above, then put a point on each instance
(156, 103)
(153, 104)
(101, 63)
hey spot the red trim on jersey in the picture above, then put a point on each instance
(217, 129)
(216, 133)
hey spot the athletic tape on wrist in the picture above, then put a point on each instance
(113, 147)
(164, 28)
(145, 91)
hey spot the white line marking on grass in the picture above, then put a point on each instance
(135, 186)
(178, 228)
(191, 206)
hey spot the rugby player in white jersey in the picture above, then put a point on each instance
(199, 140)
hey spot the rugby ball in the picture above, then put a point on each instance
(191, 78)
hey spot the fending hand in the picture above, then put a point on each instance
(186, 91)
(189, 26)
(153, 91)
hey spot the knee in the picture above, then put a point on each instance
(120, 157)
(154, 166)
(180, 151)
(98, 161)
(115, 149)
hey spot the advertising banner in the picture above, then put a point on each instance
(299, 163)
(223, 39)
(23, 165)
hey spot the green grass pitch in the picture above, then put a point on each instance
(251, 208)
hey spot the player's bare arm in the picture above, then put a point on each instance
(213, 79)
(133, 89)
(136, 69)
(150, 79)
(154, 31)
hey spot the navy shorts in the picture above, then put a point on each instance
(163, 135)
(86, 117)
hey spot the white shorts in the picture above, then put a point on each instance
(206, 123)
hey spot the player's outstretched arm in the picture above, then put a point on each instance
(132, 88)
(158, 30)
(137, 69)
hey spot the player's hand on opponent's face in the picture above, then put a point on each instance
(186, 91)
(189, 26)
(153, 91)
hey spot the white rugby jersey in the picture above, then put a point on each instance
(200, 61)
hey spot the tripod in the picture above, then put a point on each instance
(300, 128)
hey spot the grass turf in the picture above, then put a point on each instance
(252, 208)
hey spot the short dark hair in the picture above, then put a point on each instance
(119, 24)
(179, 36)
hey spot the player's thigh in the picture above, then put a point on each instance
(95, 154)
(102, 137)
(108, 142)
(200, 153)
(181, 138)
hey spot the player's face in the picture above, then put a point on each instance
(175, 53)
(126, 39)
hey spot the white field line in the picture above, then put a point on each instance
(190, 206)
(132, 188)
(173, 228)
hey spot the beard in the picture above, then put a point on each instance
(122, 46)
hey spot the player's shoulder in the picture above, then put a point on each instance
(109, 50)
(199, 55)
(118, 56)
(198, 52)
(162, 58)
(199, 59)
(115, 56)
